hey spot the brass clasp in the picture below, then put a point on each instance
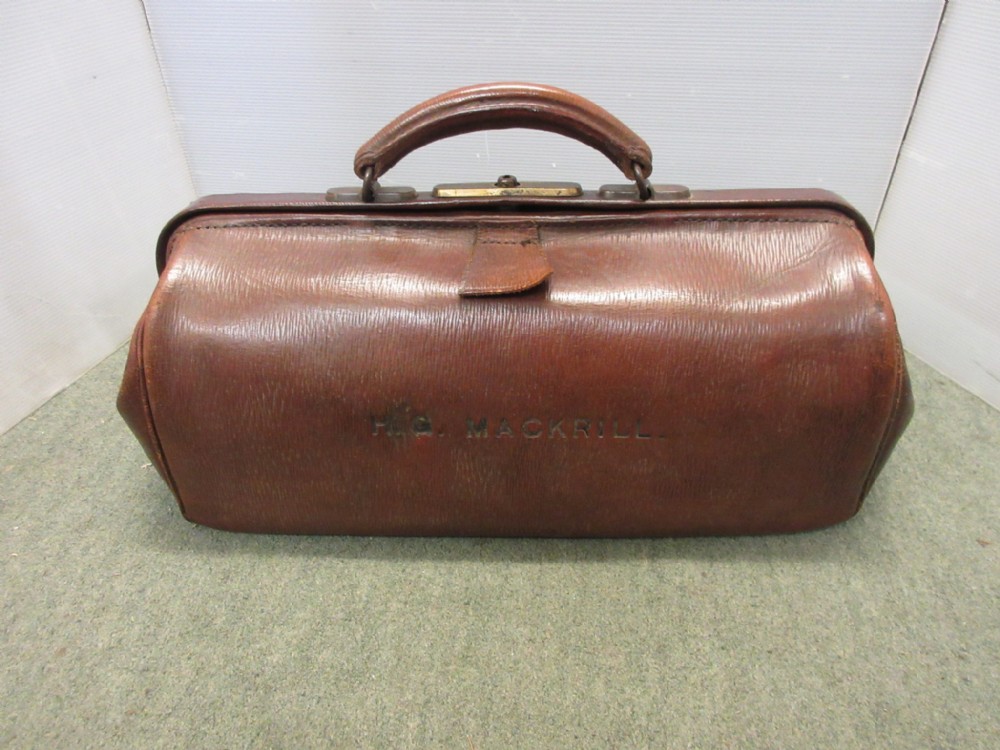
(507, 186)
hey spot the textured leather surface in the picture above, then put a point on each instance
(317, 203)
(506, 258)
(724, 365)
(495, 106)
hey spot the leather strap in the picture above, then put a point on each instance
(496, 106)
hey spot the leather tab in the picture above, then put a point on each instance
(506, 259)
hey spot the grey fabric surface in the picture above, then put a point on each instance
(125, 626)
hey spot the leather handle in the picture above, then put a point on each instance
(495, 106)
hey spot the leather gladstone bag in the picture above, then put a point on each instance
(517, 358)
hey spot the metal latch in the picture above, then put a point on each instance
(508, 186)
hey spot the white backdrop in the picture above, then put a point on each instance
(939, 238)
(273, 96)
(90, 169)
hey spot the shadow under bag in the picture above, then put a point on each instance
(517, 359)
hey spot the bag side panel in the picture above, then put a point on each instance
(133, 405)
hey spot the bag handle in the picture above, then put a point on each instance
(495, 106)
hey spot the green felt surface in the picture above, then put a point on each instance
(125, 626)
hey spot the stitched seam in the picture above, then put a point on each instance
(466, 289)
(506, 242)
(170, 246)
(870, 478)
(251, 224)
(147, 407)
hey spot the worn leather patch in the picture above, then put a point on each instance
(506, 259)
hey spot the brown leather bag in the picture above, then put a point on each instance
(517, 359)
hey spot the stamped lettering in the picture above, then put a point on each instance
(399, 425)
(405, 423)
(505, 430)
(532, 428)
(476, 429)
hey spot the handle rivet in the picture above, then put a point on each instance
(507, 180)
